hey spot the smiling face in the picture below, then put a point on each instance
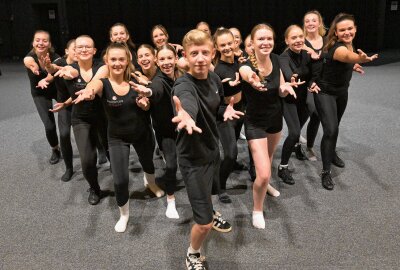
(146, 58)
(41, 42)
(311, 23)
(225, 44)
(159, 37)
(70, 52)
(248, 46)
(263, 41)
(237, 36)
(346, 31)
(295, 39)
(119, 34)
(199, 59)
(166, 60)
(117, 61)
(84, 48)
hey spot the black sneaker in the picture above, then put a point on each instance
(220, 224)
(224, 198)
(95, 196)
(194, 262)
(67, 175)
(55, 156)
(102, 158)
(337, 161)
(300, 154)
(326, 180)
(285, 175)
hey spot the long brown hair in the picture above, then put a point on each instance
(177, 72)
(219, 32)
(129, 42)
(130, 68)
(331, 37)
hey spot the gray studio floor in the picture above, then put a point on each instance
(48, 224)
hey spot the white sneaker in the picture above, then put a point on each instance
(311, 154)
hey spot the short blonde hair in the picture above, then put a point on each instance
(196, 37)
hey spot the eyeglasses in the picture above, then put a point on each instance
(80, 48)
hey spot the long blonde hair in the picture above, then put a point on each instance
(130, 68)
(321, 28)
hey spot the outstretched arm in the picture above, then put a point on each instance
(343, 54)
(92, 89)
(252, 78)
(30, 63)
(183, 119)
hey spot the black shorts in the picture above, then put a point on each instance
(258, 132)
(199, 181)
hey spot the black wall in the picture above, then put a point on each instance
(20, 18)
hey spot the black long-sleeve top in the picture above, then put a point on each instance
(160, 105)
(201, 99)
(300, 64)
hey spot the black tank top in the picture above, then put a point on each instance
(124, 116)
(335, 76)
(263, 107)
(87, 109)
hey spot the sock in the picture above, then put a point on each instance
(171, 209)
(124, 217)
(191, 250)
(150, 179)
(258, 220)
(272, 191)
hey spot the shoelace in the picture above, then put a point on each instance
(195, 262)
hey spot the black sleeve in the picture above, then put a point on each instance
(158, 91)
(186, 94)
(222, 105)
(284, 62)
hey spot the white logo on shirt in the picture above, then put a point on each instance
(114, 98)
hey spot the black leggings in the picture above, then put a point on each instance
(43, 105)
(64, 127)
(296, 115)
(229, 132)
(85, 136)
(313, 124)
(330, 110)
(119, 153)
(168, 147)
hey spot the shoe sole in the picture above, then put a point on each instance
(222, 230)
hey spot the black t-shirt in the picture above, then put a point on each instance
(335, 76)
(309, 45)
(124, 116)
(300, 64)
(264, 107)
(161, 106)
(201, 100)
(228, 70)
(50, 91)
(87, 109)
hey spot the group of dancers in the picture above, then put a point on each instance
(189, 99)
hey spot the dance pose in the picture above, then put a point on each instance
(263, 119)
(87, 118)
(161, 114)
(295, 64)
(314, 30)
(333, 81)
(129, 124)
(197, 96)
(43, 90)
